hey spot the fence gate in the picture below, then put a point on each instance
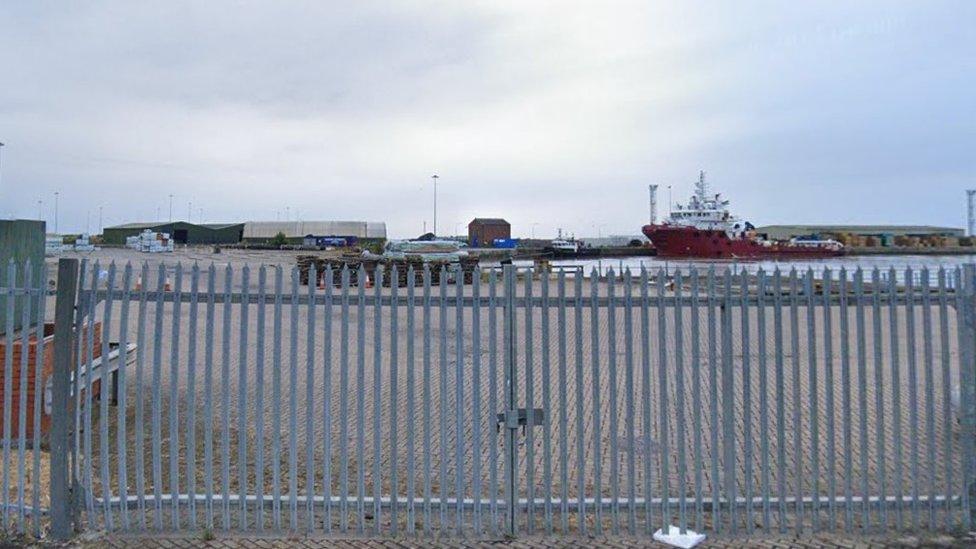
(739, 402)
(431, 401)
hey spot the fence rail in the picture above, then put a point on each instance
(521, 402)
(467, 301)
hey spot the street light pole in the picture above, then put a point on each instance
(435, 178)
(99, 219)
(171, 208)
(56, 193)
(39, 202)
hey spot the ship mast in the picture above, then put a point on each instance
(701, 188)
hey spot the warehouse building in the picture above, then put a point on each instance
(483, 231)
(180, 231)
(884, 235)
(362, 232)
(613, 241)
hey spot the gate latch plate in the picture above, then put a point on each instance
(513, 419)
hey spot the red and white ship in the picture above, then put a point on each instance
(706, 229)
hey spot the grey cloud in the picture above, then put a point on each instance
(556, 113)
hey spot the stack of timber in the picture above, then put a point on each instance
(305, 263)
(354, 263)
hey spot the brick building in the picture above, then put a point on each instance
(482, 231)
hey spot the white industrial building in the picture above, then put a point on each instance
(614, 240)
(266, 230)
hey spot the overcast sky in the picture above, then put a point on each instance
(557, 114)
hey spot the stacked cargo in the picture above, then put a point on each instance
(468, 266)
(305, 263)
(53, 245)
(353, 263)
(83, 243)
(150, 242)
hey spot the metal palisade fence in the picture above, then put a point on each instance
(24, 499)
(502, 402)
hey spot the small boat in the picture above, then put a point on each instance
(565, 246)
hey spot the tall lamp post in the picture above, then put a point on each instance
(1, 165)
(435, 177)
(56, 193)
(171, 208)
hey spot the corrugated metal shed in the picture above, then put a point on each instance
(785, 232)
(181, 232)
(256, 230)
(219, 226)
(140, 226)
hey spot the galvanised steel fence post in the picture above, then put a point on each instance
(62, 415)
(511, 392)
(967, 382)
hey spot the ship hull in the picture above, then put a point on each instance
(689, 242)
